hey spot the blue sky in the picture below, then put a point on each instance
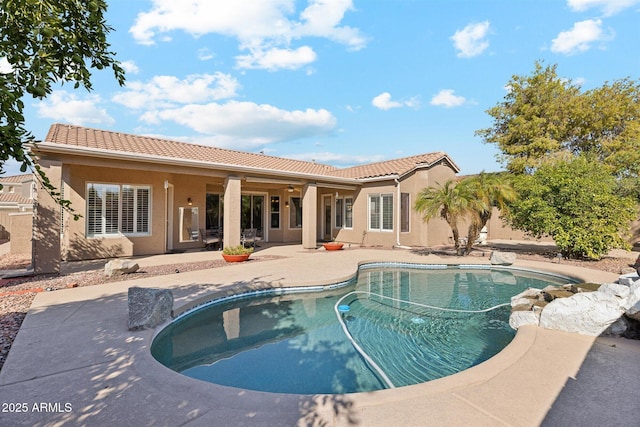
(341, 82)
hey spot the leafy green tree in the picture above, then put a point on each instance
(451, 202)
(46, 43)
(574, 202)
(544, 116)
(490, 190)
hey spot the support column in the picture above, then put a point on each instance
(309, 216)
(46, 224)
(232, 211)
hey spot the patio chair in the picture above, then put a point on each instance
(248, 236)
(211, 239)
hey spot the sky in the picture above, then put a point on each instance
(341, 82)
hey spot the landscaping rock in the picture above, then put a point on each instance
(148, 307)
(584, 287)
(585, 313)
(519, 318)
(632, 304)
(552, 294)
(117, 267)
(502, 258)
(628, 279)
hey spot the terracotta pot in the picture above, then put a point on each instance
(332, 246)
(235, 258)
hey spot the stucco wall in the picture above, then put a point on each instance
(21, 232)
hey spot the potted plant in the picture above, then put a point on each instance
(332, 245)
(236, 253)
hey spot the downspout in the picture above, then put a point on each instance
(399, 221)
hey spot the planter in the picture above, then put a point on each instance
(332, 246)
(236, 258)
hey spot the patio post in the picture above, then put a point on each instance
(232, 211)
(46, 224)
(309, 215)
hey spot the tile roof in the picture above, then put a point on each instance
(144, 145)
(393, 167)
(16, 179)
(14, 198)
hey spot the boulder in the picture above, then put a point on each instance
(148, 307)
(519, 318)
(620, 291)
(632, 304)
(628, 279)
(117, 267)
(502, 258)
(552, 294)
(588, 313)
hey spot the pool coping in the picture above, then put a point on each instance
(107, 373)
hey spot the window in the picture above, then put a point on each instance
(214, 211)
(405, 209)
(348, 212)
(295, 212)
(344, 212)
(275, 211)
(118, 209)
(381, 212)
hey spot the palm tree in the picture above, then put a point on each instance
(490, 190)
(451, 201)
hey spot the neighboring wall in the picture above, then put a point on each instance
(21, 225)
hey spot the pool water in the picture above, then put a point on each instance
(296, 343)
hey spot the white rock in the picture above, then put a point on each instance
(502, 258)
(628, 279)
(120, 266)
(618, 327)
(525, 296)
(585, 313)
(620, 291)
(519, 318)
(632, 305)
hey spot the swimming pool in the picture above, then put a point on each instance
(391, 327)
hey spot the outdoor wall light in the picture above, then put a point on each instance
(189, 201)
(290, 189)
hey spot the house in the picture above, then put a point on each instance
(16, 211)
(141, 195)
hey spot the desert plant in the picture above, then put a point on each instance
(237, 250)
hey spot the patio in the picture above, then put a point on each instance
(75, 355)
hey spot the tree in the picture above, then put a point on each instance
(45, 43)
(490, 190)
(574, 202)
(544, 116)
(451, 201)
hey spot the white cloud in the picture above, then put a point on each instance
(274, 59)
(384, 102)
(130, 67)
(471, 40)
(265, 27)
(336, 158)
(167, 91)
(580, 38)
(446, 98)
(246, 124)
(5, 67)
(66, 107)
(205, 54)
(608, 7)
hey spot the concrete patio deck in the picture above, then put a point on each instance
(75, 363)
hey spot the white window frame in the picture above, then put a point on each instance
(383, 200)
(119, 225)
(343, 212)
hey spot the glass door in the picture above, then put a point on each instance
(253, 213)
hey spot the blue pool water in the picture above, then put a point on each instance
(383, 330)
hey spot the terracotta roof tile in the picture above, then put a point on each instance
(145, 145)
(16, 179)
(392, 167)
(136, 144)
(14, 198)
